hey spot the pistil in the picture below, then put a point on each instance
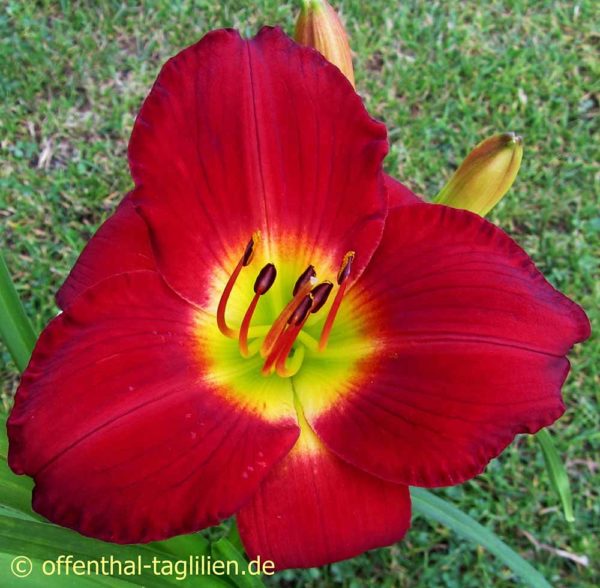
(262, 285)
(243, 262)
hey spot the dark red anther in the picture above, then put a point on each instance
(301, 311)
(265, 279)
(307, 275)
(320, 295)
(249, 251)
(345, 268)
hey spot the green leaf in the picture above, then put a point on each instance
(439, 510)
(15, 328)
(17, 514)
(559, 479)
(46, 542)
(245, 575)
(43, 542)
(234, 537)
(15, 491)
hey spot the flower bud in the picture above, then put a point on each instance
(485, 176)
(320, 27)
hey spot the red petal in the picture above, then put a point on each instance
(399, 194)
(262, 134)
(125, 437)
(314, 509)
(121, 244)
(469, 351)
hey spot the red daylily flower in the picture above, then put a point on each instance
(162, 399)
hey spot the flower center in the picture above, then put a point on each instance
(282, 343)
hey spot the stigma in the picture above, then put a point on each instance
(283, 344)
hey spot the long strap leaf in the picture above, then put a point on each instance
(15, 328)
(443, 512)
(559, 480)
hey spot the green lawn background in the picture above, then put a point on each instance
(442, 76)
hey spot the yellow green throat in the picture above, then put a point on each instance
(305, 333)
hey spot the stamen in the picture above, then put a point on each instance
(286, 339)
(320, 295)
(305, 278)
(301, 289)
(251, 248)
(269, 364)
(243, 262)
(301, 313)
(345, 268)
(263, 283)
(265, 279)
(296, 322)
(342, 280)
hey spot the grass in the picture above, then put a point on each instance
(442, 75)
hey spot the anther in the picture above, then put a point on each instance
(345, 268)
(301, 312)
(263, 283)
(320, 294)
(342, 280)
(245, 260)
(302, 288)
(305, 278)
(265, 279)
(250, 249)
